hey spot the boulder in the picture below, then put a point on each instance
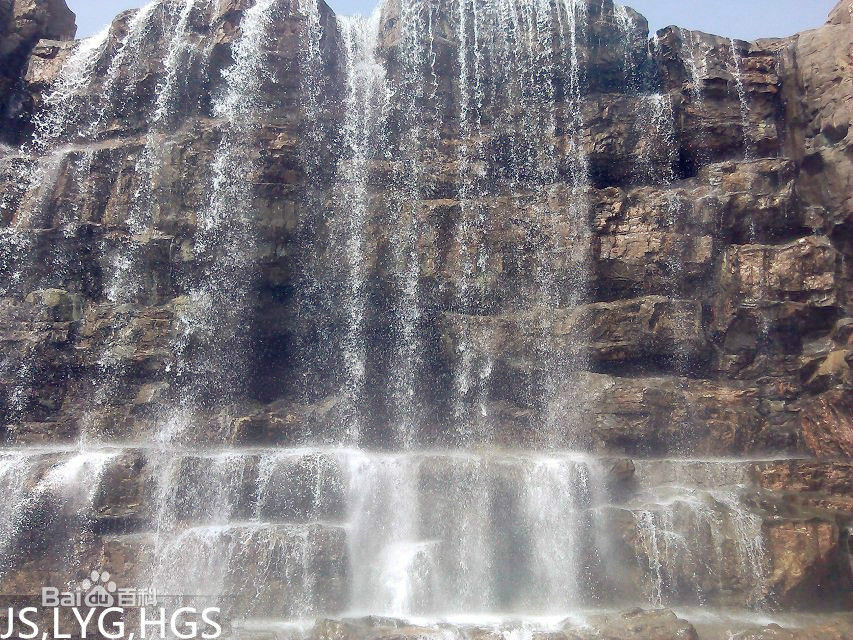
(637, 624)
(808, 563)
(830, 631)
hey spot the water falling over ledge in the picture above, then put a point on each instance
(437, 315)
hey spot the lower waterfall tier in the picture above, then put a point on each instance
(601, 624)
(327, 530)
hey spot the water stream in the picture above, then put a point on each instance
(477, 106)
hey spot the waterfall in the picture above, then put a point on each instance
(696, 69)
(311, 209)
(218, 557)
(743, 98)
(765, 322)
(125, 253)
(417, 86)
(625, 23)
(63, 101)
(177, 49)
(128, 54)
(366, 109)
(466, 234)
(574, 225)
(425, 187)
(691, 530)
(212, 339)
(16, 471)
(35, 177)
(559, 497)
(47, 493)
(458, 555)
(678, 214)
(657, 163)
(687, 514)
(657, 159)
(33, 181)
(385, 554)
(123, 286)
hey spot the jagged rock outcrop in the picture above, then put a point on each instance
(830, 631)
(23, 23)
(818, 68)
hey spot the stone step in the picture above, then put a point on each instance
(566, 527)
(258, 568)
(695, 473)
(250, 569)
(282, 481)
(586, 624)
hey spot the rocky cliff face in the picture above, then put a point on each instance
(260, 263)
(22, 24)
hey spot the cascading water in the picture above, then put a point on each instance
(626, 25)
(657, 160)
(124, 284)
(697, 63)
(115, 93)
(415, 91)
(366, 109)
(687, 519)
(467, 231)
(743, 98)
(210, 339)
(49, 491)
(656, 163)
(409, 497)
(35, 178)
(125, 254)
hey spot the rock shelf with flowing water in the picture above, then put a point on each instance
(466, 319)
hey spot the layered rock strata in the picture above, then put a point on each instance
(574, 302)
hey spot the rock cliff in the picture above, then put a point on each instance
(266, 271)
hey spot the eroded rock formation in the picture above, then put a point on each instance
(277, 284)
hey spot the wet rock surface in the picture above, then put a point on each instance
(251, 279)
(23, 23)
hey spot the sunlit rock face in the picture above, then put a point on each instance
(464, 309)
(22, 24)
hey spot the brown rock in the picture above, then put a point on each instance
(623, 332)
(57, 305)
(819, 87)
(829, 371)
(804, 475)
(827, 424)
(123, 497)
(839, 630)
(658, 416)
(638, 624)
(803, 271)
(22, 24)
(806, 561)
